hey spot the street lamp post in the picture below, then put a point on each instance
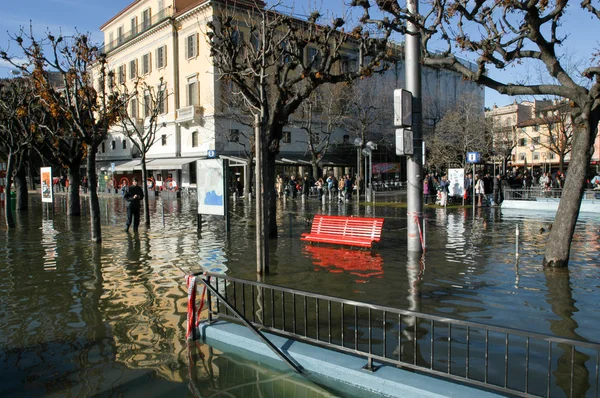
(358, 143)
(532, 149)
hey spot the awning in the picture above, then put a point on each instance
(168, 163)
(106, 165)
(235, 161)
(129, 166)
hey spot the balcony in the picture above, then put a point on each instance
(189, 115)
(162, 15)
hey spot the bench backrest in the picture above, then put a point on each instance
(362, 227)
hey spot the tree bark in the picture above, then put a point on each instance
(558, 247)
(74, 207)
(21, 189)
(8, 216)
(270, 194)
(95, 219)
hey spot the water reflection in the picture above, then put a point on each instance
(112, 317)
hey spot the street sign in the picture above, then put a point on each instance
(402, 108)
(473, 157)
(211, 154)
(404, 142)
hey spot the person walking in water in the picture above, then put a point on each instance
(133, 196)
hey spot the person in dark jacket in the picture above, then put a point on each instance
(498, 189)
(133, 197)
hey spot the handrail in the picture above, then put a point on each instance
(459, 350)
(257, 332)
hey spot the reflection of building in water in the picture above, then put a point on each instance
(49, 244)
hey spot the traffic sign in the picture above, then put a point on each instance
(211, 153)
(404, 142)
(473, 157)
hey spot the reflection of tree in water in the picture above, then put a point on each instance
(560, 298)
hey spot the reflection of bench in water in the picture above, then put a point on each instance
(337, 260)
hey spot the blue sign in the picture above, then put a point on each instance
(473, 157)
(211, 154)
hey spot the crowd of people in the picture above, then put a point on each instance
(329, 186)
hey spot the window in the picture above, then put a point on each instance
(146, 66)
(314, 56)
(191, 46)
(122, 74)
(103, 147)
(161, 98)
(348, 64)
(237, 36)
(522, 156)
(163, 140)
(346, 139)
(522, 141)
(146, 19)
(287, 137)
(161, 57)
(113, 145)
(254, 41)
(192, 91)
(535, 140)
(552, 155)
(111, 38)
(134, 26)
(124, 143)
(132, 69)
(133, 108)
(120, 36)
(147, 105)
(536, 156)
(194, 139)
(536, 128)
(111, 79)
(234, 136)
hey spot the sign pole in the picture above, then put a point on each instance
(226, 193)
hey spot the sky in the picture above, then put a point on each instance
(69, 16)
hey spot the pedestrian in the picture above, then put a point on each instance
(319, 184)
(348, 188)
(331, 186)
(488, 186)
(292, 186)
(239, 187)
(279, 186)
(133, 197)
(341, 188)
(426, 191)
(497, 189)
(444, 184)
(468, 188)
(479, 192)
(84, 185)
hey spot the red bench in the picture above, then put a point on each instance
(339, 230)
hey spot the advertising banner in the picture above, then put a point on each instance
(381, 168)
(210, 188)
(456, 177)
(46, 177)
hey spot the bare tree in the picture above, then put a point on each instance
(19, 108)
(87, 110)
(271, 71)
(143, 131)
(560, 126)
(319, 116)
(500, 35)
(463, 129)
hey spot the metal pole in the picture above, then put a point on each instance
(414, 163)
(357, 174)
(258, 196)
(366, 179)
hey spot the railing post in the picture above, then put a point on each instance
(209, 301)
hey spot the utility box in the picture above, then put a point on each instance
(402, 108)
(404, 142)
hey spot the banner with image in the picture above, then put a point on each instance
(46, 177)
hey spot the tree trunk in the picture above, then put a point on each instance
(21, 189)
(30, 171)
(144, 183)
(95, 219)
(561, 164)
(315, 168)
(558, 246)
(8, 216)
(74, 207)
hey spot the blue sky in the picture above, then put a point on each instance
(69, 16)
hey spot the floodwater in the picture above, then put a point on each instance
(109, 319)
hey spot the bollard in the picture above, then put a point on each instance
(303, 198)
(234, 196)
(323, 199)
(517, 242)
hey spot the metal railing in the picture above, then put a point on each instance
(142, 27)
(537, 193)
(502, 359)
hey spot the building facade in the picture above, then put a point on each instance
(165, 43)
(533, 134)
